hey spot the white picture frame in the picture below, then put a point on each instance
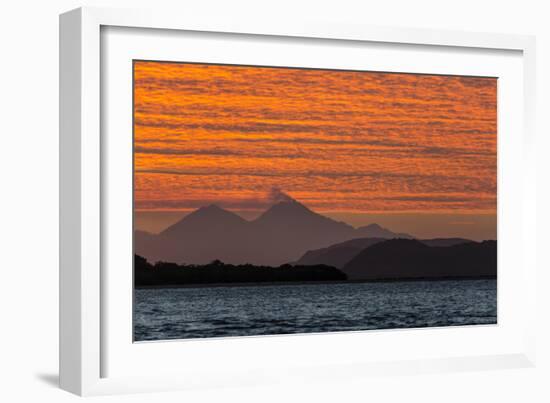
(88, 337)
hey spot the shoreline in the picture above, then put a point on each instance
(312, 283)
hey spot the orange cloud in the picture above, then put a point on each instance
(335, 140)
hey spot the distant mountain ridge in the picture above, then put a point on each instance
(212, 217)
(376, 231)
(340, 254)
(280, 235)
(413, 259)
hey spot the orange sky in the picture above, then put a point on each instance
(337, 141)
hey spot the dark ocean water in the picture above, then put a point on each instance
(182, 313)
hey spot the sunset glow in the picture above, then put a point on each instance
(342, 142)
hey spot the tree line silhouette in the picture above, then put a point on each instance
(217, 272)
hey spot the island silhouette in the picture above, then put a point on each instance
(291, 243)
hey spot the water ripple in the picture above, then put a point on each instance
(182, 313)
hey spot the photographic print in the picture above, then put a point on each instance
(275, 200)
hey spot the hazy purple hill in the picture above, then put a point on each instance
(206, 220)
(376, 231)
(339, 254)
(287, 229)
(280, 235)
(407, 258)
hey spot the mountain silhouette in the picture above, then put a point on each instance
(294, 215)
(280, 235)
(209, 220)
(206, 234)
(341, 253)
(444, 241)
(376, 231)
(289, 228)
(410, 259)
